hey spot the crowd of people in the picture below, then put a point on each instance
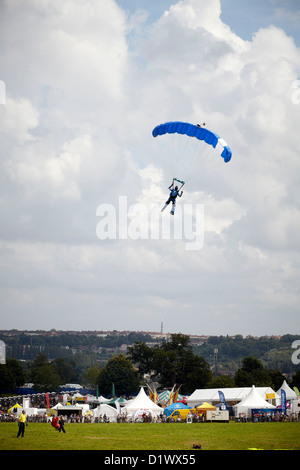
(10, 413)
(13, 417)
(267, 417)
(37, 400)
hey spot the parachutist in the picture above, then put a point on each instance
(174, 192)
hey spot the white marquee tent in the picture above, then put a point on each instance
(290, 394)
(102, 399)
(107, 410)
(141, 402)
(232, 395)
(61, 409)
(252, 401)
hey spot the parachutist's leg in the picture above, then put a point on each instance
(173, 208)
(167, 202)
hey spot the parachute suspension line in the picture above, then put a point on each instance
(197, 156)
(206, 161)
(177, 148)
(167, 149)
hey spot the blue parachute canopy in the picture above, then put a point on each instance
(192, 130)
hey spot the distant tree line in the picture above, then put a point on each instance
(26, 346)
(168, 363)
(87, 349)
(274, 353)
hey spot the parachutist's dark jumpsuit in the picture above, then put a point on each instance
(173, 195)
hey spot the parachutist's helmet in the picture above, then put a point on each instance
(176, 187)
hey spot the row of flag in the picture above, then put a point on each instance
(172, 398)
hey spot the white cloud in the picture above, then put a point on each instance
(18, 118)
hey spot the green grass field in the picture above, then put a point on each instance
(181, 437)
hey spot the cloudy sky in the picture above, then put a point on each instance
(82, 179)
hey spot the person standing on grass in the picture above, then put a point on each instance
(61, 423)
(21, 423)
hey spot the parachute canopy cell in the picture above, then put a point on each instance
(192, 130)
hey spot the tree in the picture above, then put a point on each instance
(17, 371)
(40, 360)
(195, 374)
(142, 355)
(44, 376)
(46, 379)
(11, 375)
(66, 370)
(222, 381)
(175, 362)
(172, 362)
(276, 378)
(251, 373)
(296, 380)
(6, 379)
(92, 375)
(120, 372)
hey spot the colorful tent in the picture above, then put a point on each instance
(206, 406)
(175, 406)
(11, 410)
(164, 397)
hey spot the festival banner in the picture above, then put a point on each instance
(152, 394)
(283, 401)
(175, 397)
(155, 396)
(47, 400)
(222, 400)
(170, 401)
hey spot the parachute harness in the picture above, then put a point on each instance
(181, 182)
